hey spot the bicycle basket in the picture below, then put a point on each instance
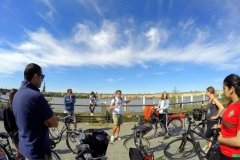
(98, 141)
(197, 114)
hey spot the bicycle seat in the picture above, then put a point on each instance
(141, 128)
(4, 135)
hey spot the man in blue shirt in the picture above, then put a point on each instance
(69, 101)
(33, 116)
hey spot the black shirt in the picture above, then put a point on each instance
(9, 119)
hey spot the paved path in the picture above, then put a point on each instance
(115, 151)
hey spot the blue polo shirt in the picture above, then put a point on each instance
(31, 110)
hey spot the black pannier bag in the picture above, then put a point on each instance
(135, 154)
(197, 114)
(98, 141)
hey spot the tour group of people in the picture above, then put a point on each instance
(27, 116)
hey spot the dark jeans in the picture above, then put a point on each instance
(92, 107)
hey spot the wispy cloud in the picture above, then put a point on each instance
(114, 80)
(102, 45)
(160, 73)
(48, 16)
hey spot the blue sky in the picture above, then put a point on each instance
(134, 45)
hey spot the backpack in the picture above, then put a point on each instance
(135, 154)
(116, 100)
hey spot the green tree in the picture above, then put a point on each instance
(175, 96)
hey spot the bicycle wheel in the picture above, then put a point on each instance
(72, 140)
(55, 156)
(151, 132)
(53, 132)
(131, 143)
(4, 154)
(200, 128)
(175, 127)
(179, 149)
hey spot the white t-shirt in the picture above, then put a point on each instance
(119, 102)
(161, 106)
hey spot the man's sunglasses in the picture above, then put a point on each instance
(42, 76)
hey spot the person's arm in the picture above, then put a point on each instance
(112, 105)
(51, 122)
(66, 102)
(129, 100)
(232, 142)
(73, 99)
(220, 108)
(45, 112)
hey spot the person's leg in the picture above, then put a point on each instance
(74, 121)
(90, 108)
(18, 155)
(208, 134)
(164, 116)
(118, 126)
(48, 157)
(93, 107)
(115, 122)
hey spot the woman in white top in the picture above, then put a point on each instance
(92, 103)
(163, 105)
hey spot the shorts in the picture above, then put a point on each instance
(209, 132)
(73, 117)
(117, 119)
(92, 104)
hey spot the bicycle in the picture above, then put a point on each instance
(6, 151)
(56, 136)
(137, 140)
(88, 147)
(175, 124)
(184, 146)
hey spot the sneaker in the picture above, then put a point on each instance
(205, 148)
(112, 138)
(166, 137)
(118, 138)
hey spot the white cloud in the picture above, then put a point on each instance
(107, 45)
(114, 80)
(187, 24)
(160, 73)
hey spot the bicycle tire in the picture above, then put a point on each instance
(177, 150)
(151, 133)
(53, 132)
(175, 126)
(131, 143)
(55, 156)
(72, 140)
(4, 153)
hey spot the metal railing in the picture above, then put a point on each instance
(105, 116)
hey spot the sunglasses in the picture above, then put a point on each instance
(42, 76)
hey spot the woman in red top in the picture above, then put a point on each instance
(229, 137)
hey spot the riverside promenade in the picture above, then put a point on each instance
(116, 150)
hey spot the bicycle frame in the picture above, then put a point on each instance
(191, 132)
(5, 144)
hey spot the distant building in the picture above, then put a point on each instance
(44, 88)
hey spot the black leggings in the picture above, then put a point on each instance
(223, 157)
(92, 107)
(163, 116)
